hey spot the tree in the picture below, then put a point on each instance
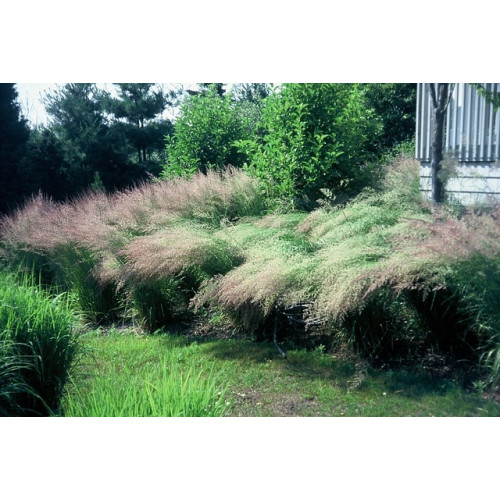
(14, 134)
(43, 166)
(314, 137)
(77, 123)
(440, 98)
(205, 134)
(90, 145)
(137, 110)
(395, 105)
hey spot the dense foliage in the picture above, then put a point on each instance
(136, 113)
(14, 134)
(205, 135)
(383, 273)
(353, 257)
(314, 137)
(302, 141)
(93, 140)
(395, 105)
(90, 148)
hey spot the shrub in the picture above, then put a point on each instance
(204, 135)
(314, 137)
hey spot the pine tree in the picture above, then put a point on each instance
(14, 133)
(44, 167)
(89, 144)
(137, 111)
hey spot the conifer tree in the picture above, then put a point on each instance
(89, 144)
(14, 133)
(138, 110)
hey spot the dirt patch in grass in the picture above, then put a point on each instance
(292, 407)
(253, 403)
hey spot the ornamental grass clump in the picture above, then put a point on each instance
(207, 199)
(353, 241)
(63, 243)
(313, 262)
(83, 244)
(450, 269)
(12, 385)
(347, 260)
(38, 347)
(278, 270)
(405, 277)
(163, 271)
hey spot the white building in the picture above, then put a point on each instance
(471, 143)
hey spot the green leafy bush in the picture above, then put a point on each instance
(396, 106)
(313, 137)
(204, 135)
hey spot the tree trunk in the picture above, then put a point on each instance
(437, 157)
(440, 98)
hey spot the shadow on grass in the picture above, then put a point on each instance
(415, 385)
(299, 363)
(311, 365)
(308, 365)
(242, 349)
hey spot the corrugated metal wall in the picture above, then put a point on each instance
(472, 143)
(472, 129)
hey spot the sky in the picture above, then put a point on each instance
(30, 95)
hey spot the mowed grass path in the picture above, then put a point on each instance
(252, 380)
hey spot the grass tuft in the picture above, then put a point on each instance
(138, 386)
(38, 346)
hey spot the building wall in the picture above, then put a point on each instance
(469, 183)
(472, 143)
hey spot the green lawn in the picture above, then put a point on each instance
(129, 374)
